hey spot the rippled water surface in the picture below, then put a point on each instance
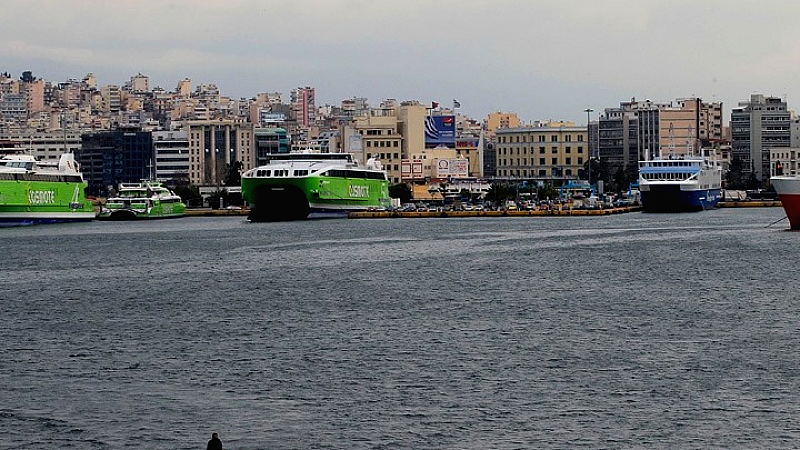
(633, 330)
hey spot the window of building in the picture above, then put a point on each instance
(554, 138)
(568, 161)
(568, 138)
(541, 161)
(580, 149)
(541, 150)
(554, 150)
(568, 149)
(555, 161)
(541, 138)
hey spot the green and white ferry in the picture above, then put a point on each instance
(145, 200)
(33, 191)
(295, 186)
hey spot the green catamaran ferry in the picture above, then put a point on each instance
(33, 191)
(145, 200)
(295, 186)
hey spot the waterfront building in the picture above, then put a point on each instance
(171, 153)
(784, 161)
(639, 129)
(757, 127)
(214, 145)
(543, 151)
(108, 158)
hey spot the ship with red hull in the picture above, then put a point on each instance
(788, 189)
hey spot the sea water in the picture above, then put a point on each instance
(632, 330)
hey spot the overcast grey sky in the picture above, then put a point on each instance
(540, 59)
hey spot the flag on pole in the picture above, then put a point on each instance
(456, 104)
(434, 105)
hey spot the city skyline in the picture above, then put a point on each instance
(542, 61)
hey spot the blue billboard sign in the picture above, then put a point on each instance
(440, 131)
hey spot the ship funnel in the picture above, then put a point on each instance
(67, 163)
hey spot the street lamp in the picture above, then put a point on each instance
(588, 111)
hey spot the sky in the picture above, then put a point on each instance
(544, 60)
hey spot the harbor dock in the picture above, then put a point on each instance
(208, 212)
(514, 213)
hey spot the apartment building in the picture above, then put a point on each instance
(303, 106)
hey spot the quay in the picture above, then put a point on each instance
(208, 212)
(750, 204)
(517, 213)
(205, 212)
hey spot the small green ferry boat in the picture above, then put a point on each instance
(145, 200)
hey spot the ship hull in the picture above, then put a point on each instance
(788, 189)
(671, 198)
(25, 202)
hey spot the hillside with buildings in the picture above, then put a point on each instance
(193, 134)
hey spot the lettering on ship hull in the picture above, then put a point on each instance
(41, 197)
(359, 191)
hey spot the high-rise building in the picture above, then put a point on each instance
(303, 106)
(758, 126)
